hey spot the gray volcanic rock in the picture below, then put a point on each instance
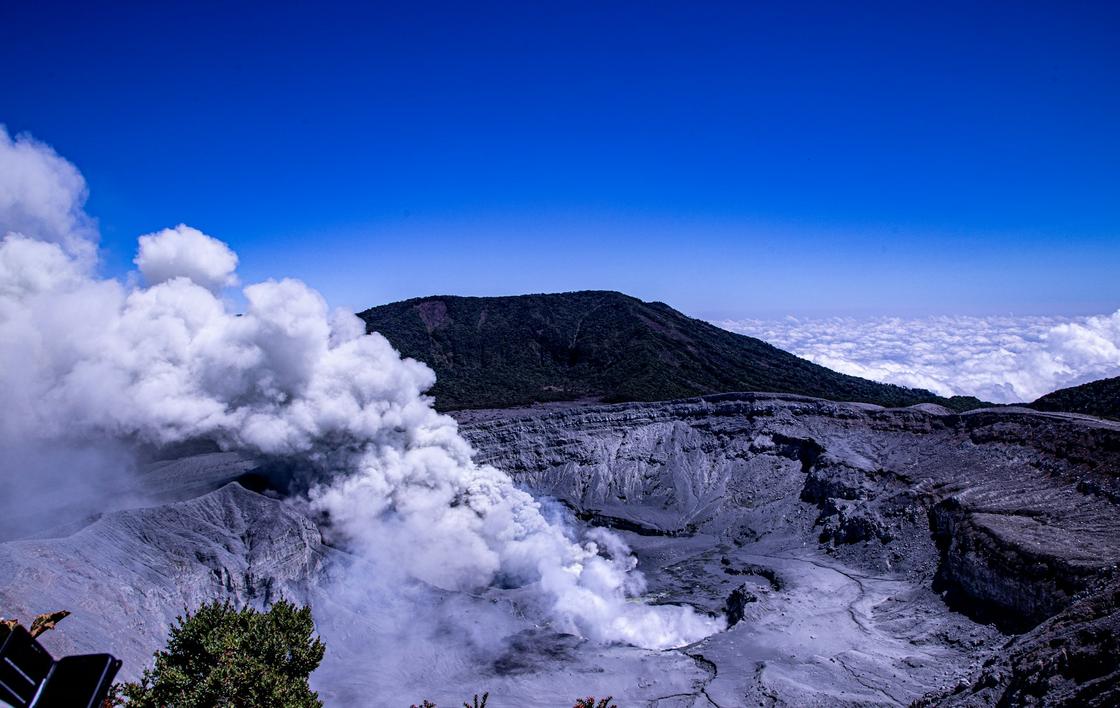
(1008, 514)
(1068, 660)
(178, 475)
(864, 552)
(126, 576)
(1021, 504)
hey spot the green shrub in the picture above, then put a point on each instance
(590, 702)
(221, 656)
(477, 703)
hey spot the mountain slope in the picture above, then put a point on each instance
(1100, 398)
(492, 352)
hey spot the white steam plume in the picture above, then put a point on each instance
(187, 253)
(42, 195)
(85, 358)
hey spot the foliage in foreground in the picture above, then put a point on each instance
(477, 703)
(221, 656)
(590, 702)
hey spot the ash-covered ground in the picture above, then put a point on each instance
(862, 556)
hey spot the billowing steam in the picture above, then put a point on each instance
(86, 359)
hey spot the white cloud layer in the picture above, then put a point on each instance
(85, 360)
(998, 359)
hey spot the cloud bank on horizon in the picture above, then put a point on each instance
(93, 365)
(1002, 359)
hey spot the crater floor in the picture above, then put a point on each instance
(865, 557)
(814, 631)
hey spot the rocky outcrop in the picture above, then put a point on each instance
(1068, 660)
(1009, 513)
(126, 576)
(820, 529)
(737, 602)
(1014, 569)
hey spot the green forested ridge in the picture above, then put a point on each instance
(493, 352)
(1100, 398)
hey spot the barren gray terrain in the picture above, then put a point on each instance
(863, 556)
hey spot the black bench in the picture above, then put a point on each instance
(30, 677)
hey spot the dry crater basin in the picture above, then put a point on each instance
(862, 556)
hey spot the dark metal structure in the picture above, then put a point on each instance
(30, 677)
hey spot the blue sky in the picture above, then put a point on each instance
(729, 159)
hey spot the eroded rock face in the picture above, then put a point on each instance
(1020, 505)
(822, 529)
(1010, 515)
(1013, 569)
(126, 576)
(1070, 659)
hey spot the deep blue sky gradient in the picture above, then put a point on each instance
(732, 159)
